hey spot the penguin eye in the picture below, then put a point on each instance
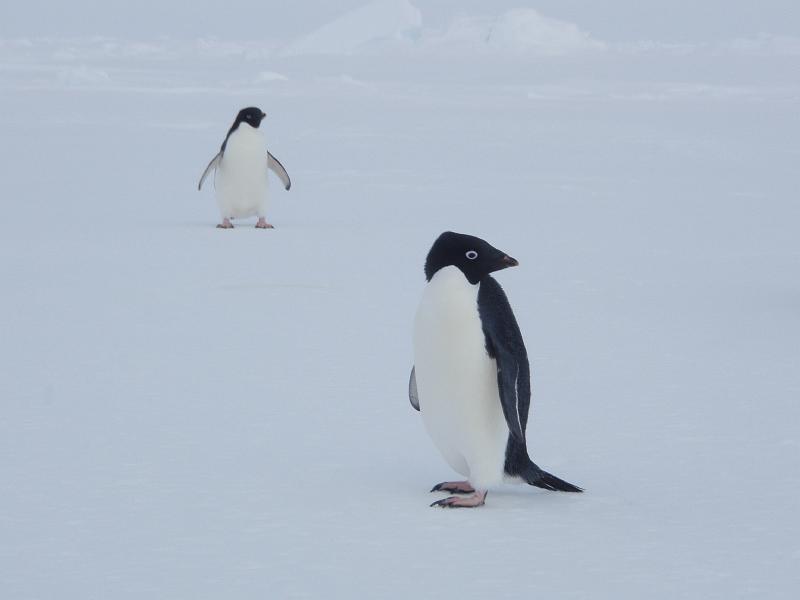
(471, 254)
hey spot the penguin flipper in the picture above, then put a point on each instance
(211, 167)
(274, 165)
(413, 395)
(504, 343)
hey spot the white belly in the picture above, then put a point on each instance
(457, 380)
(241, 180)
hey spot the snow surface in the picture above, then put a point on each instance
(196, 413)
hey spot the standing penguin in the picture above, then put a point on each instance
(471, 378)
(242, 163)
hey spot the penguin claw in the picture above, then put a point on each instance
(262, 224)
(454, 487)
(477, 499)
(444, 503)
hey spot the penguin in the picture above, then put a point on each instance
(471, 378)
(241, 166)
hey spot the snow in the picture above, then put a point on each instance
(197, 413)
(376, 22)
(520, 30)
(527, 29)
(265, 76)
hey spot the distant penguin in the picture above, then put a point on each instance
(471, 378)
(241, 166)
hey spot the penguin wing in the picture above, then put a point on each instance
(211, 167)
(504, 343)
(413, 395)
(274, 165)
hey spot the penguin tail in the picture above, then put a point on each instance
(535, 476)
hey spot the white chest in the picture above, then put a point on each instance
(245, 152)
(447, 327)
(456, 378)
(242, 179)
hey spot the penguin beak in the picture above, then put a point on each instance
(263, 115)
(504, 262)
(507, 261)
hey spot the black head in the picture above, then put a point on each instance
(475, 257)
(252, 116)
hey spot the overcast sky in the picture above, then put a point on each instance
(612, 20)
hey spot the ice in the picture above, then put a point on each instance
(521, 31)
(376, 22)
(196, 413)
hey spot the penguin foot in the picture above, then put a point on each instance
(454, 487)
(262, 224)
(226, 224)
(477, 499)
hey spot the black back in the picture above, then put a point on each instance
(504, 343)
(503, 338)
(251, 115)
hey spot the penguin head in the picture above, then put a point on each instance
(251, 115)
(475, 257)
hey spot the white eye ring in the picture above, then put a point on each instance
(471, 254)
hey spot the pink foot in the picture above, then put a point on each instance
(226, 224)
(477, 499)
(454, 487)
(262, 224)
